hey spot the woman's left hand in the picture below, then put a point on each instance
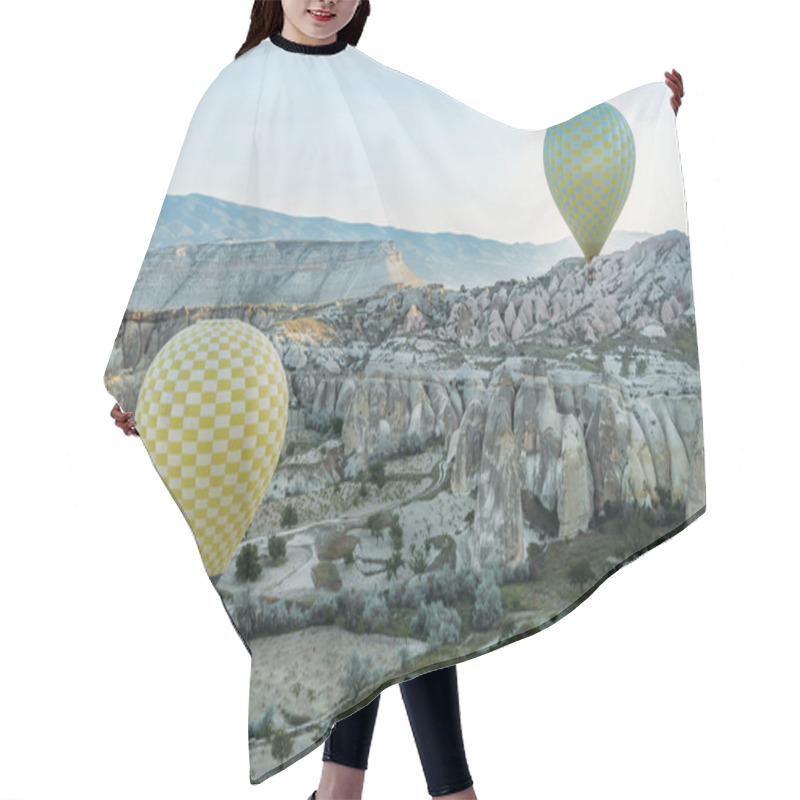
(675, 82)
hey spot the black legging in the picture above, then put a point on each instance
(432, 706)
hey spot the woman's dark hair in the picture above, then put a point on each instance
(266, 18)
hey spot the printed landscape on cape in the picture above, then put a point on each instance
(419, 391)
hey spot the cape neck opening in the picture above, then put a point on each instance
(309, 49)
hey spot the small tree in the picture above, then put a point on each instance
(248, 567)
(396, 533)
(277, 547)
(288, 516)
(281, 745)
(488, 603)
(377, 473)
(535, 551)
(393, 563)
(625, 366)
(418, 563)
(580, 572)
(375, 525)
(438, 623)
(358, 673)
(612, 508)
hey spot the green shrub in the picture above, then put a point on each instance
(281, 745)
(276, 546)
(377, 473)
(612, 508)
(375, 525)
(288, 516)
(581, 572)
(418, 563)
(351, 604)
(376, 612)
(393, 563)
(437, 623)
(396, 533)
(320, 421)
(359, 673)
(488, 603)
(248, 567)
(323, 611)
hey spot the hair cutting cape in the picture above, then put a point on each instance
(419, 381)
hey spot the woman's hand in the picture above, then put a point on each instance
(675, 82)
(124, 420)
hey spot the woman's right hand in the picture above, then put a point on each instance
(124, 420)
(675, 82)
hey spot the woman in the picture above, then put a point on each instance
(431, 699)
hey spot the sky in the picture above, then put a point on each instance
(344, 136)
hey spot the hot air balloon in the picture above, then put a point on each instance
(212, 414)
(589, 162)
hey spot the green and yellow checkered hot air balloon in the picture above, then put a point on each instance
(212, 414)
(589, 162)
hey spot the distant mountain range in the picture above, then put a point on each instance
(448, 258)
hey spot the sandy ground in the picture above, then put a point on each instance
(314, 658)
(444, 513)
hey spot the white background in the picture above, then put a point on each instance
(121, 675)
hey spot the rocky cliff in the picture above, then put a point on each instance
(548, 398)
(265, 271)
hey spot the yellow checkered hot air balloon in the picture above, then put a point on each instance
(589, 162)
(212, 413)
